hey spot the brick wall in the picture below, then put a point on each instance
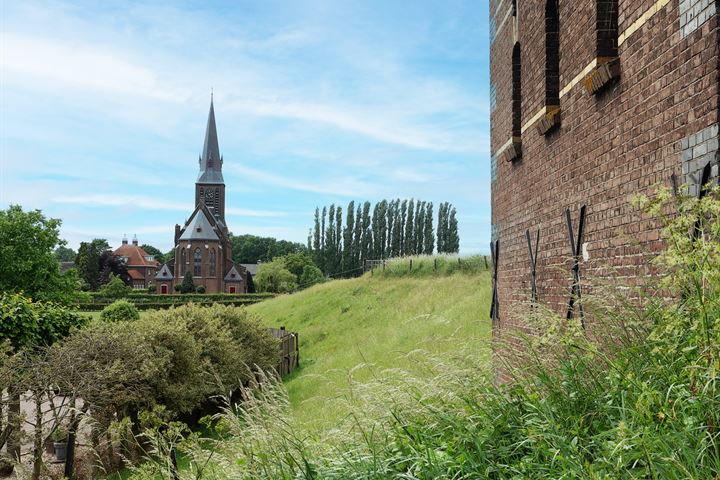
(623, 140)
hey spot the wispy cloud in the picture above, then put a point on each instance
(136, 201)
(343, 186)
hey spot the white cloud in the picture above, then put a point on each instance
(80, 66)
(136, 201)
(347, 187)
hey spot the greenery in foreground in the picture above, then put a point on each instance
(642, 401)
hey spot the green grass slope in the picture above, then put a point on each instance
(354, 329)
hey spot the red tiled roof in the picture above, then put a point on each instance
(135, 274)
(136, 256)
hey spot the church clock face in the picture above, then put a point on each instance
(210, 198)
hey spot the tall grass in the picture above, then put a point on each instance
(642, 403)
(420, 266)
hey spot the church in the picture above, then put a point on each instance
(202, 244)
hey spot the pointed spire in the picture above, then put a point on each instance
(210, 160)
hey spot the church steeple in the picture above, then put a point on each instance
(210, 160)
(210, 186)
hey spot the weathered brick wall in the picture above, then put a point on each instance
(610, 146)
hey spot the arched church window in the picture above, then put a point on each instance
(182, 262)
(212, 262)
(197, 270)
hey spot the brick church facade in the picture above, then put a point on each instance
(202, 244)
(592, 102)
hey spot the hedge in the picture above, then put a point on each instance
(147, 301)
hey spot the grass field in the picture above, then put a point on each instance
(356, 328)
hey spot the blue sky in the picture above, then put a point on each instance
(104, 106)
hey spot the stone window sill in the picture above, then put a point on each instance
(513, 151)
(608, 69)
(549, 121)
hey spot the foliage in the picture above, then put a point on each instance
(178, 358)
(152, 288)
(27, 325)
(155, 252)
(250, 283)
(275, 277)
(96, 264)
(27, 260)
(395, 228)
(115, 288)
(187, 285)
(120, 311)
(254, 249)
(65, 254)
(200, 289)
(311, 275)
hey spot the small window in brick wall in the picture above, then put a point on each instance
(552, 53)
(516, 92)
(607, 29)
(197, 267)
(514, 8)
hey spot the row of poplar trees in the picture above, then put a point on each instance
(395, 228)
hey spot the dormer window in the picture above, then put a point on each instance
(149, 258)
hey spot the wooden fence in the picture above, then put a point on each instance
(290, 350)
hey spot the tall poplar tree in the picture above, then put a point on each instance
(367, 233)
(337, 262)
(330, 242)
(409, 246)
(347, 255)
(453, 237)
(403, 218)
(316, 237)
(441, 227)
(428, 236)
(357, 242)
(419, 226)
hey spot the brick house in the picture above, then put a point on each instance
(593, 101)
(141, 266)
(202, 244)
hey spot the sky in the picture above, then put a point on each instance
(103, 109)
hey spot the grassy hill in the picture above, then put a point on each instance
(354, 329)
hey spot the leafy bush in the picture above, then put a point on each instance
(200, 289)
(180, 358)
(274, 277)
(120, 311)
(115, 288)
(187, 285)
(152, 288)
(311, 275)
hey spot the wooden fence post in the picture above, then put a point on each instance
(411, 264)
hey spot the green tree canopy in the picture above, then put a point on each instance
(28, 241)
(150, 250)
(65, 254)
(254, 249)
(275, 277)
(187, 285)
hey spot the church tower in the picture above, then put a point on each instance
(210, 186)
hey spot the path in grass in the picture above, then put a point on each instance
(346, 323)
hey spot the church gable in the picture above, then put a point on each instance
(200, 226)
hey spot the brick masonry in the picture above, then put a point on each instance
(626, 139)
(698, 150)
(693, 13)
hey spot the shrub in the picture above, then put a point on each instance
(274, 277)
(311, 275)
(115, 288)
(177, 287)
(152, 288)
(120, 311)
(187, 285)
(200, 289)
